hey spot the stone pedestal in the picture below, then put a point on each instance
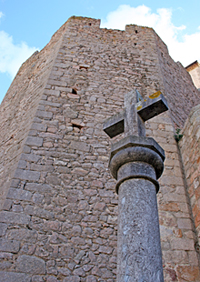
(137, 163)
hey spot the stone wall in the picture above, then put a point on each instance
(59, 220)
(180, 258)
(189, 146)
(181, 94)
(18, 109)
(194, 71)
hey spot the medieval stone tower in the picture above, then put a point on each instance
(58, 218)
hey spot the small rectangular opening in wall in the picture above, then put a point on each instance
(74, 91)
(83, 67)
(77, 126)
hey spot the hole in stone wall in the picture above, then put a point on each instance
(77, 126)
(136, 31)
(90, 24)
(83, 67)
(74, 91)
(135, 44)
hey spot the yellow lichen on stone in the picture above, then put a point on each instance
(155, 95)
(139, 107)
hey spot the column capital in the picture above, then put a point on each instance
(136, 157)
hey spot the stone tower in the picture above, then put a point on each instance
(58, 218)
(194, 71)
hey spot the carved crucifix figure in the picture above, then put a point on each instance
(136, 162)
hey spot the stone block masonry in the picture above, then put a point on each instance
(194, 71)
(59, 208)
(189, 146)
(18, 109)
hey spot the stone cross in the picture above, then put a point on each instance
(137, 111)
(136, 162)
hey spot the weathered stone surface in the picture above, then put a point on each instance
(39, 126)
(27, 174)
(64, 271)
(23, 235)
(138, 216)
(7, 205)
(51, 92)
(39, 212)
(91, 278)
(3, 228)
(79, 171)
(52, 279)
(14, 277)
(68, 112)
(37, 278)
(30, 157)
(188, 273)
(19, 194)
(52, 225)
(34, 141)
(11, 217)
(189, 146)
(4, 265)
(72, 279)
(182, 244)
(30, 264)
(42, 188)
(11, 246)
(44, 114)
(82, 146)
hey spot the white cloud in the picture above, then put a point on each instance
(186, 51)
(12, 55)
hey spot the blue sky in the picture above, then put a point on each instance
(26, 26)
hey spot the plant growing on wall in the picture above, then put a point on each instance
(178, 136)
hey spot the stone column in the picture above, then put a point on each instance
(137, 163)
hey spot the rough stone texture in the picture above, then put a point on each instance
(18, 109)
(63, 95)
(11, 217)
(139, 252)
(194, 71)
(189, 146)
(14, 277)
(30, 264)
(178, 243)
(139, 256)
(181, 104)
(9, 246)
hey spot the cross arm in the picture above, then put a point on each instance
(132, 119)
(114, 125)
(152, 106)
